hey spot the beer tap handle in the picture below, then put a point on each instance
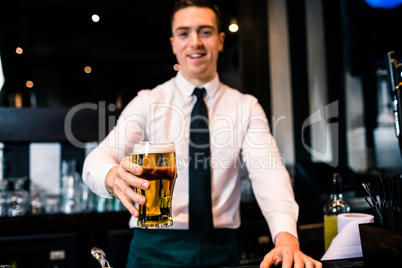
(100, 255)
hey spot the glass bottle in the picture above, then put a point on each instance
(334, 206)
(2, 162)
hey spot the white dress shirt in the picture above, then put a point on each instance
(239, 134)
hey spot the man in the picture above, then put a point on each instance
(237, 126)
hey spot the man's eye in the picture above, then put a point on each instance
(183, 34)
(206, 33)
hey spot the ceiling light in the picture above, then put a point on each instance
(176, 67)
(95, 18)
(233, 27)
(87, 69)
(19, 50)
(29, 84)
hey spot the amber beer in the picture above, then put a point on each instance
(158, 161)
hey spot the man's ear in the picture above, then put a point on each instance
(222, 37)
(171, 43)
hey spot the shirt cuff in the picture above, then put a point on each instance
(286, 224)
(99, 175)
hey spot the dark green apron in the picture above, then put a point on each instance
(180, 248)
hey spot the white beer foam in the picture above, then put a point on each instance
(146, 148)
(152, 148)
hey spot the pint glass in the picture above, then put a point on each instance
(158, 161)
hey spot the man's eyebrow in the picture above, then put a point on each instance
(181, 28)
(184, 28)
(206, 26)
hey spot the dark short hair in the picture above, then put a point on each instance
(181, 4)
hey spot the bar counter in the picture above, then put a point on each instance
(63, 240)
(66, 240)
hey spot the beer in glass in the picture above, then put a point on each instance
(158, 161)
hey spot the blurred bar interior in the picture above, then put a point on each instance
(68, 68)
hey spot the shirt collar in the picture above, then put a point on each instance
(187, 87)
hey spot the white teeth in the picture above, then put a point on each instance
(195, 56)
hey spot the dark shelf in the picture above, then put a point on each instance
(83, 123)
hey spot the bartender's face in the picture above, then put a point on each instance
(196, 43)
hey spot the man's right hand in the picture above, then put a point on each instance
(121, 181)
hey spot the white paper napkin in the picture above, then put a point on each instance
(347, 243)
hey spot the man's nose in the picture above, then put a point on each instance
(195, 40)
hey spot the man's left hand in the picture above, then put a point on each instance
(287, 251)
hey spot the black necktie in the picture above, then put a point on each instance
(200, 204)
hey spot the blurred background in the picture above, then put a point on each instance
(77, 51)
(317, 67)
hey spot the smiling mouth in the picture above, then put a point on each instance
(196, 56)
